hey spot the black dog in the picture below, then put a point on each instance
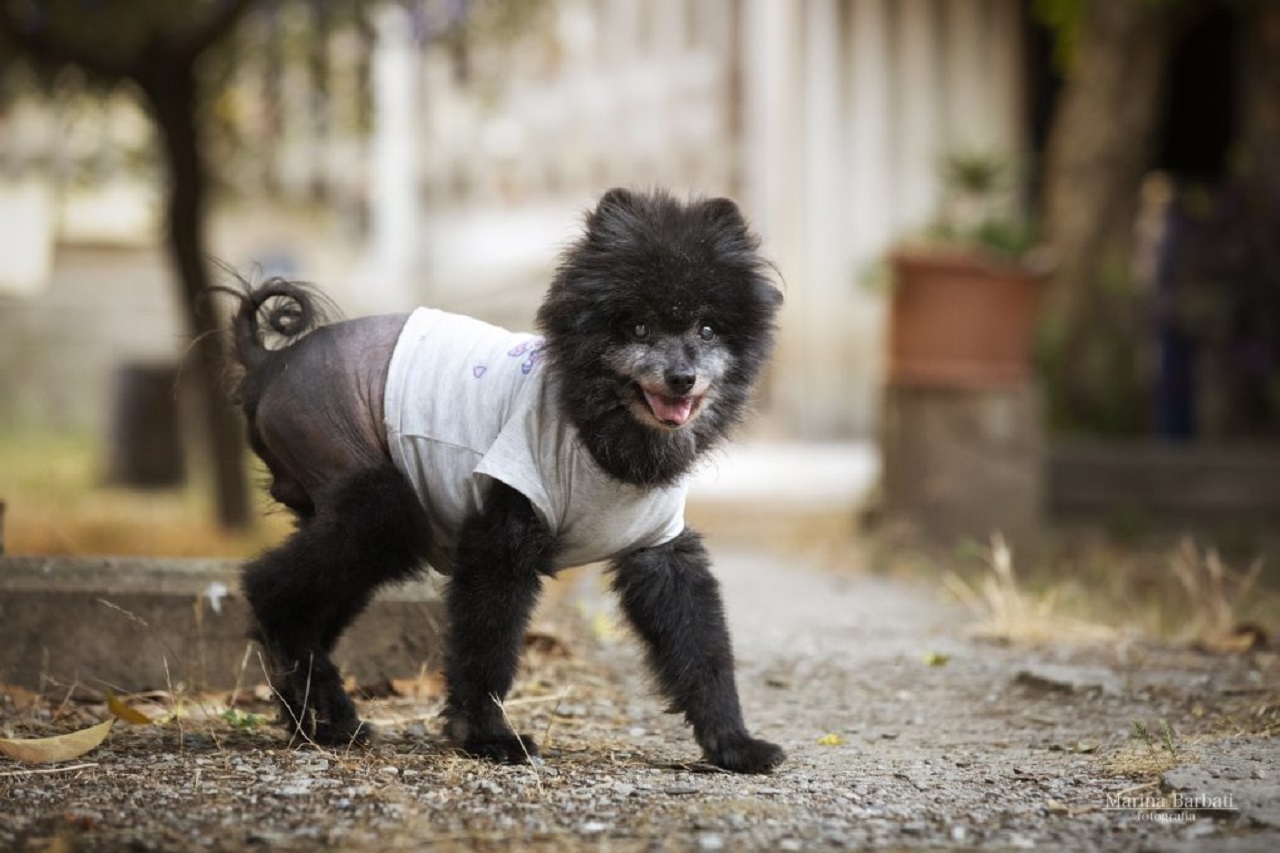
(502, 458)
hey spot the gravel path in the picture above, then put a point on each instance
(901, 732)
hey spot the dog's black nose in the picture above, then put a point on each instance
(681, 381)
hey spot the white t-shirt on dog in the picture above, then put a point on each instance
(466, 402)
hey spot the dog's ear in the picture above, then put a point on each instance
(616, 199)
(725, 211)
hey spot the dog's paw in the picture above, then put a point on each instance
(354, 733)
(328, 720)
(745, 754)
(503, 749)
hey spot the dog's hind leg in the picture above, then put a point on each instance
(673, 600)
(367, 529)
(503, 552)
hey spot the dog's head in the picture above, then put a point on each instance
(658, 323)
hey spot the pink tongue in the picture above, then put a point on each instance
(670, 410)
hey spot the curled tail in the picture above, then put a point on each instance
(271, 316)
(288, 310)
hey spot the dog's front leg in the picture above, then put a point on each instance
(503, 551)
(673, 600)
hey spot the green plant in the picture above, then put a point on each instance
(1142, 732)
(242, 721)
(979, 209)
(974, 172)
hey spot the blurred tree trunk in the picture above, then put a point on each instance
(164, 67)
(1260, 113)
(1100, 145)
(170, 89)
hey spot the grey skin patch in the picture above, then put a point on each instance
(645, 365)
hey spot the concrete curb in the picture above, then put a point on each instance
(135, 624)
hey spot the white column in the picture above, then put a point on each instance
(871, 193)
(967, 91)
(917, 81)
(772, 176)
(822, 291)
(395, 221)
(668, 27)
(870, 189)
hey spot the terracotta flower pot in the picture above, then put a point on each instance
(960, 320)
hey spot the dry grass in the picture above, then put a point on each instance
(1082, 587)
(1153, 750)
(57, 503)
(1217, 594)
(1008, 612)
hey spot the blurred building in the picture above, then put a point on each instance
(453, 175)
(827, 119)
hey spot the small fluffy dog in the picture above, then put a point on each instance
(501, 458)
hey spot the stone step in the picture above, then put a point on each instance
(134, 624)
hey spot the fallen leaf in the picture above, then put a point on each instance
(58, 748)
(132, 716)
(830, 740)
(428, 686)
(605, 628)
(1240, 639)
(546, 644)
(936, 659)
(21, 698)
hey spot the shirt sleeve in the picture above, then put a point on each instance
(675, 519)
(511, 459)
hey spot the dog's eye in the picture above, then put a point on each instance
(707, 333)
(639, 331)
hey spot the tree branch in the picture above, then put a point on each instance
(43, 48)
(204, 35)
(42, 45)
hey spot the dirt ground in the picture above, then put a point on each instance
(902, 732)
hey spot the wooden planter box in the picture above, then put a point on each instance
(961, 435)
(960, 320)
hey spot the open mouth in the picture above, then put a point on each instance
(670, 411)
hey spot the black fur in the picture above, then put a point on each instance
(367, 532)
(673, 601)
(503, 554)
(657, 326)
(649, 258)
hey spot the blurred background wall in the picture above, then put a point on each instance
(442, 152)
(395, 163)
